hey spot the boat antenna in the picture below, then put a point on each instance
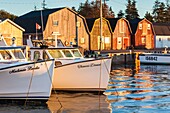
(44, 4)
(42, 22)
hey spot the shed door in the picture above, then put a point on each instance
(102, 43)
(125, 42)
(119, 43)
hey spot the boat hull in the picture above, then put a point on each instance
(27, 81)
(154, 59)
(91, 75)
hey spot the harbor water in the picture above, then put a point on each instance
(130, 90)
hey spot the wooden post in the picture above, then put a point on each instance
(137, 61)
(125, 59)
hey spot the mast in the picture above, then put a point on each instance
(100, 47)
(42, 23)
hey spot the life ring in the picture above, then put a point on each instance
(58, 63)
(66, 43)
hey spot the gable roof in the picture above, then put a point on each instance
(28, 21)
(162, 28)
(91, 21)
(134, 24)
(11, 22)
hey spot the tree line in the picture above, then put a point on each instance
(5, 14)
(160, 12)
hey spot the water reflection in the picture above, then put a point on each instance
(78, 103)
(143, 90)
(62, 102)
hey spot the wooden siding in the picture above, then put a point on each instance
(95, 36)
(121, 35)
(144, 37)
(9, 31)
(69, 25)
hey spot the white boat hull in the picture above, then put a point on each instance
(154, 58)
(91, 75)
(27, 81)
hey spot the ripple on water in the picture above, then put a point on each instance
(143, 91)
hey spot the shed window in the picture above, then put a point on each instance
(55, 23)
(107, 40)
(119, 40)
(143, 40)
(78, 24)
(149, 27)
(140, 26)
(82, 40)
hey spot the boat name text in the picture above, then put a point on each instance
(24, 69)
(89, 65)
(151, 58)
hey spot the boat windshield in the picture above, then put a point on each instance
(18, 54)
(76, 53)
(55, 53)
(67, 53)
(6, 54)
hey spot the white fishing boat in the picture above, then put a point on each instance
(74, 72)
(21, 79)
(154, 58)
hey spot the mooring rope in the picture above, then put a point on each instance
(100, 82)
(53, 86)
(29, 85)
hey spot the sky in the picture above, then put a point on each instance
(20, 7)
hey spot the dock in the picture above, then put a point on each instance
(129, 56)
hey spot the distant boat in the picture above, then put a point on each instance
(154, 58)
(21, 79)
(73, 72)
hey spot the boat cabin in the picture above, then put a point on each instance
(61, 55)
(8, 55)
